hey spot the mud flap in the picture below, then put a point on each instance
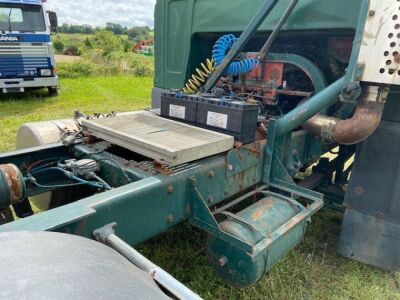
(371, 226)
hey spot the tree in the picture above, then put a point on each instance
(107, 42)
(134, 33)
(58, 44)
(137, 34)
(84, 29)
(115, 28)
(88, 42)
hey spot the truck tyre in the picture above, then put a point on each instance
(54, 91)
(47, 265)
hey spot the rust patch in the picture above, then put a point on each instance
(359, 190)
(397, 58)
(240, 156)
(162, 168)
(263, 207)
(257, 215)
(242, 180)
(14, 181)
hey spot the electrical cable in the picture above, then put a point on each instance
(102, 181)
(64, 172)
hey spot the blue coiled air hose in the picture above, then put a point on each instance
(220, 50)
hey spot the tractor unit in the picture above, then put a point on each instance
(263, 112)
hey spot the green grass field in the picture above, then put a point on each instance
(87, 95)
(312, 271)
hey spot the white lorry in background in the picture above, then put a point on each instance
(26, 51)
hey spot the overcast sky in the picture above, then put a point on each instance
(99, 12)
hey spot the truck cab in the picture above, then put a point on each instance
(26, 51)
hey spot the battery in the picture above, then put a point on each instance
(236, 118)
(179, 107)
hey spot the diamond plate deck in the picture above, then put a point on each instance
(160, 139)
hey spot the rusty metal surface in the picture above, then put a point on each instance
(15, 187)
(364, 122)
(254, 225)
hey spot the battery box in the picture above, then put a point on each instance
(231, 117)
(179, 107)
(236, 118)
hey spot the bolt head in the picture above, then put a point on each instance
(359, 190)
(222, 261)
(170, 219)
(170, 189)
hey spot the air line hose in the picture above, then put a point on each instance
(199, 78)
(221, 48)
(219, 52)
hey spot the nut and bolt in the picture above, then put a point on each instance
(170, 219)
(222, 261)
(358, 190)
(230, 168)
(211, 174)
(170, 189)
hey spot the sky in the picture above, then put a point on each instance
(99, 12)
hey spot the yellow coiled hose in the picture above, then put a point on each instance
(199, 78)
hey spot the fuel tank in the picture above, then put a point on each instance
(252, 225)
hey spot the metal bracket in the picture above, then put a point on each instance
(203, 218)
(102, 234)
(352, 90)
(281, 179)
(243, 158)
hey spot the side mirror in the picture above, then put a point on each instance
(53, 21)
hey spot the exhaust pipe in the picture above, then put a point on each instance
(364, 122)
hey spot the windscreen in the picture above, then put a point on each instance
(22, 18)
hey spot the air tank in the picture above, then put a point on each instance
(252, 225)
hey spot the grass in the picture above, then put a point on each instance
(312, 271)
(67, 58)
(89, 95)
